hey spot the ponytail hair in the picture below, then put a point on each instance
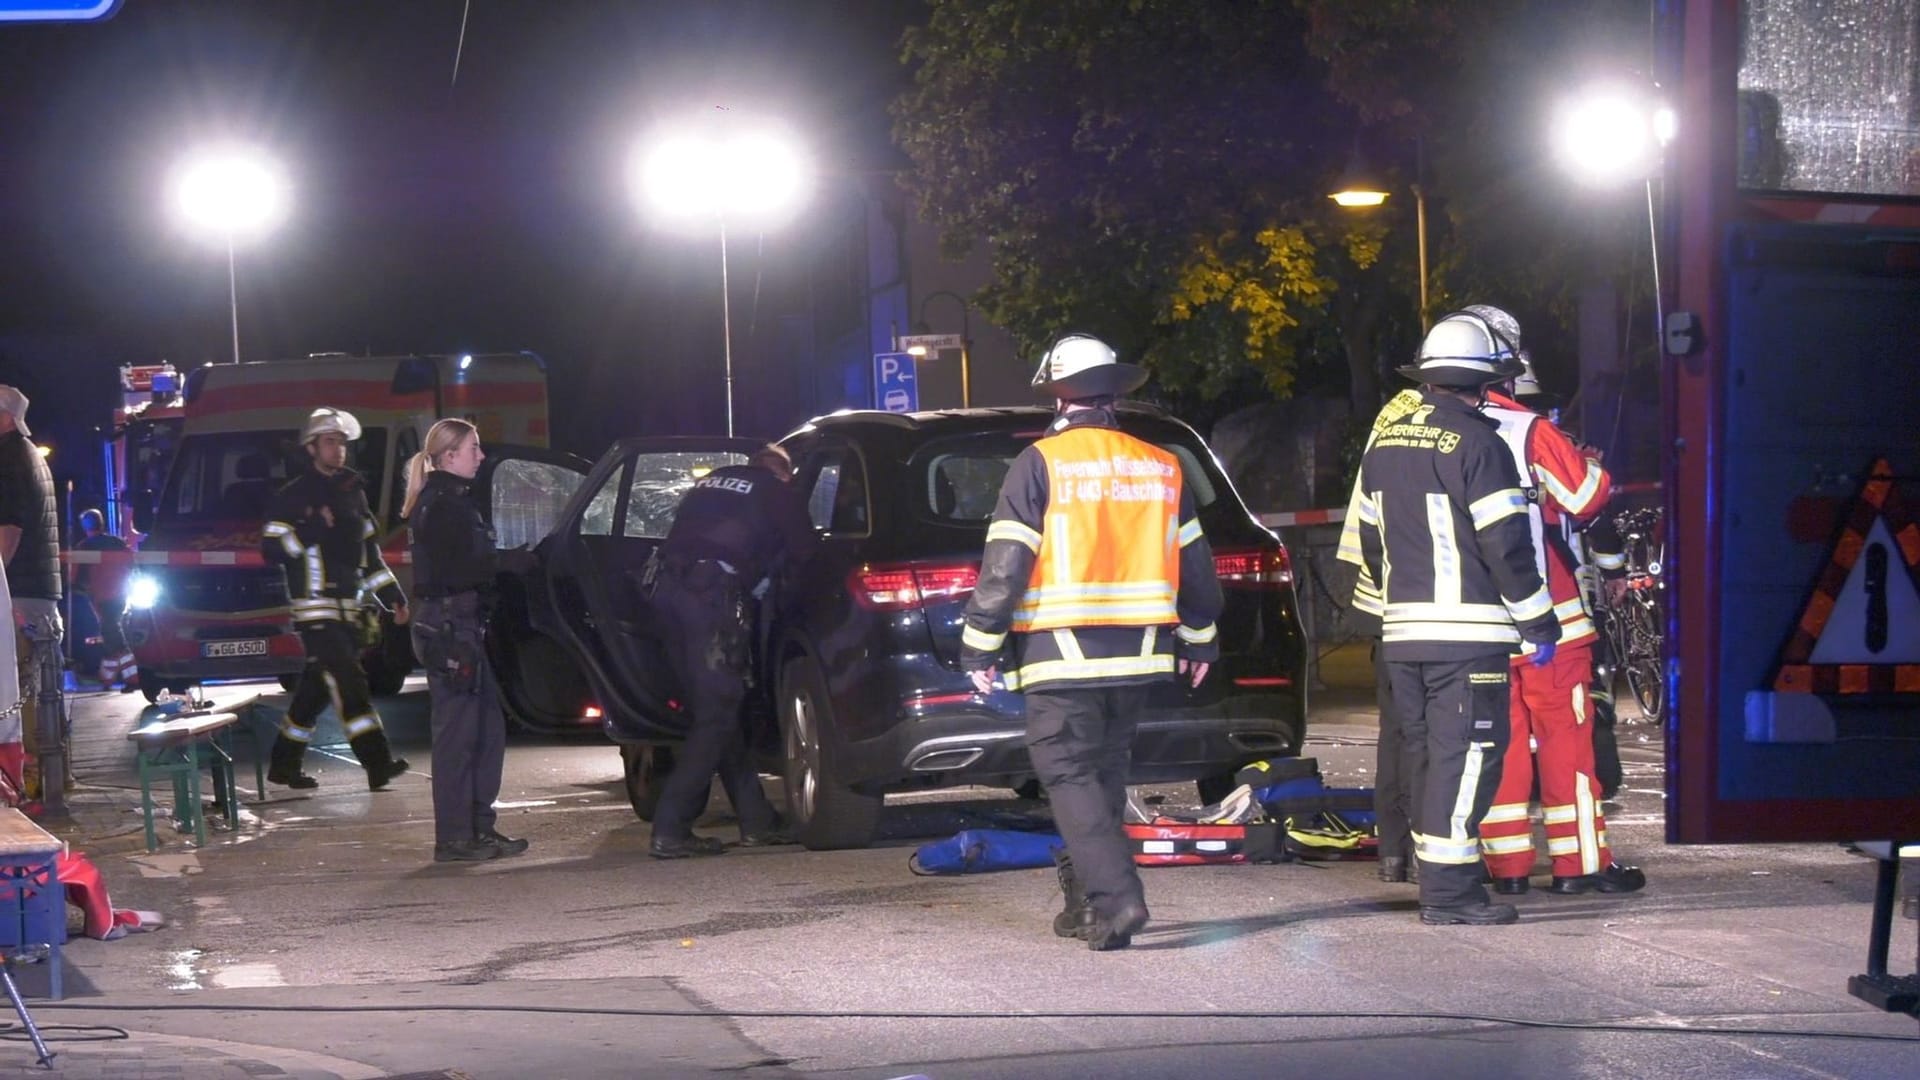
(442, 437)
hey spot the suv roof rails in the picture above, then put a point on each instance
(915, 420)
(909, 421)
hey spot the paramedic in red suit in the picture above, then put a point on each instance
(1097, 573)
(1552, 704)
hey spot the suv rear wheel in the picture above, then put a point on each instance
(826, 814)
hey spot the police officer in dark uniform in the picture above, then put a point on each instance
(736, 531)
(320, 531)
(454, 565)
(1441, 504)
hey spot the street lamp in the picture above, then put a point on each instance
(1357, 190)
(735, 175)
(232, 194)
(966, 340)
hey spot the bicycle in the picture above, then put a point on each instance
(1634, 622)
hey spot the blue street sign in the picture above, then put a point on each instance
(894, 387)
(56, 10)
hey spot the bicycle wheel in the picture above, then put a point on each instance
(1644, 667)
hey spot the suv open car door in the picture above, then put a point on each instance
(524, 492)
(595, 645)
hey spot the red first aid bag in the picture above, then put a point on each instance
(1165, 842)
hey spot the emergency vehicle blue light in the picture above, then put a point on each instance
(466, 361)
(165, 383)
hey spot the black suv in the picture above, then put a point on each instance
(860, 692)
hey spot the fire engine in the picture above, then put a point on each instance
(1793, 471)
(202, 604)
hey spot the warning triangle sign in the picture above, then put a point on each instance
(1860, 632)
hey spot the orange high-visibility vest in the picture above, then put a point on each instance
(1110, 545)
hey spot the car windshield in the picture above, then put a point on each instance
(231, 476)
(958, 479)
(659, 479)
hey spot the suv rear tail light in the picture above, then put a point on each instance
(1253, 568)
(901, 588)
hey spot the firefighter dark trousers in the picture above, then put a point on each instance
(1081, 745)
(1391, 815)
(332, 677)
(469, 730)
(1453, 730)
(706, 620)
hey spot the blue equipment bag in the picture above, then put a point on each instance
(976, 851)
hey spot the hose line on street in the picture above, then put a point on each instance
(1676, 1028)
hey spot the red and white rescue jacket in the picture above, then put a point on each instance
(1565, 487)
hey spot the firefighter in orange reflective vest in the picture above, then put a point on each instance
(1096, 568)
(1552, 707)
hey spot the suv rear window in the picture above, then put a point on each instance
(957, 480)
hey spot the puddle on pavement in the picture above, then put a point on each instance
(182, 969)
(188, 969)
(247, 976)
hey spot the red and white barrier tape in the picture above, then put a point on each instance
(1291, 518)
(188, 558)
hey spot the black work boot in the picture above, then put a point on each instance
(504, 846)
(283, 764)
(1614, 879)
(1393, 868)
(1115, 931)
(376, 756)
(1476, 914)
(465, 851)
(1511, 886)
(686, 847)
(1076, 917)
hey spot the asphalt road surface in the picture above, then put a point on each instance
(322, 924)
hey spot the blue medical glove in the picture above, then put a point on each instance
(1543, 654)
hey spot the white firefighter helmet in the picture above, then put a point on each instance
(1527, 389)
(1527, 384)
(1504, 325)
(327, 420)
(1083, 366)
(1468, 350)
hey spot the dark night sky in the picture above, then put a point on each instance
(486, 215)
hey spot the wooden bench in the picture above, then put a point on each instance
(33, 905)
(173, 748)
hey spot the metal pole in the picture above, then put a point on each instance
(966, 395)
(726, 324)
(233, 298)
(1420, 218)
(1653, 248)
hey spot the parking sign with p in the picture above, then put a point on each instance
(894, 387)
